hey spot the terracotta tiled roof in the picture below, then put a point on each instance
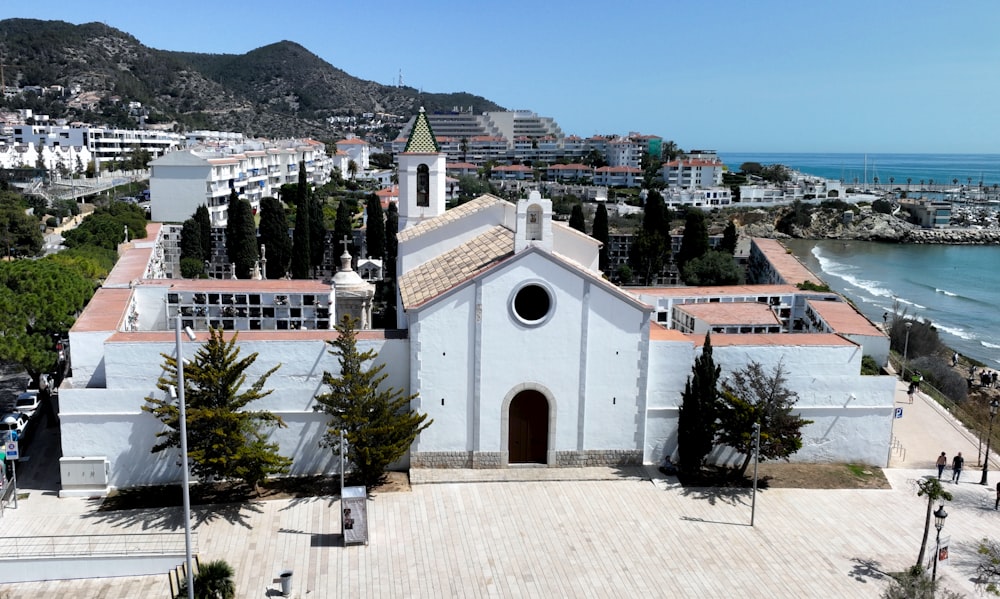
(449, 216)
(720, 291)
(512, 168)
(432, 278)
(353, 142)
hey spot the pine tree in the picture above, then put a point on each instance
(377, 423)
(225, 441)
(696, 424)
(301, 245)
(576, 220)
(755, 396)
(599, 231)
(241, 236)
(375, 228)
(204, 220)
(274, 237)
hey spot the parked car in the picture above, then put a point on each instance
(27, 403)
(13, 421)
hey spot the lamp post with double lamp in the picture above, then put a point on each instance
(182, 417)
(906, 347)
(939, 516)
(994, 405)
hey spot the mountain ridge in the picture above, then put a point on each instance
(281, 89)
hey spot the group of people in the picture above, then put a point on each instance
(987, 378)
(957, 463)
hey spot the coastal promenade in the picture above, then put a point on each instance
(599, 533)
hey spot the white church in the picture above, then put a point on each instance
(520, 350)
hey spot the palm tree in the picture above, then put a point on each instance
(908, 181)
(352, 168)
(892, 180)
(214, 580)
(954, 181)
(932, 489)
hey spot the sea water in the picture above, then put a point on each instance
(943, 169)
(956, 287)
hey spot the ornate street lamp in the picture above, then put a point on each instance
(994, 405)
(939, 516)
(906, 346)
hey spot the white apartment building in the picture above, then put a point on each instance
(57, 159)
(105, 145)
(181, 181)
(357, 150)
(693, 173)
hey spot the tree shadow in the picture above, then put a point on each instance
(318, 539)
(865, 570)
(172, 517)
(331, 500)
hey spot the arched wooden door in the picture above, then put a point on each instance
(529, 428)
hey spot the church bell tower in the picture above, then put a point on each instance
(421, 175)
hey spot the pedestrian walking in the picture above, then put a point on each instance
(956, 467)
(910, 391)
(954, 360)
(942, 461)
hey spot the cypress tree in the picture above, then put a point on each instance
(191, 240)
(375, 229)
(599, 231)
(241, 236)
(694, 243)
(204, 220)
(697, 421)
(389, 263)
(317, 230)
(576, 220)
(301, 247)
(729, 238)
(274, 237)
(342, 226)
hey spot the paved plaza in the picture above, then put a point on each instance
(564, 533)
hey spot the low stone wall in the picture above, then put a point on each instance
(599, 457)
(455, 459)
(493, 459)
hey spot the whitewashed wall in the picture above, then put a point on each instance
(110, 421)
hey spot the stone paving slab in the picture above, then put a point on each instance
(607, 533)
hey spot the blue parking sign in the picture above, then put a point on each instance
(899, 412)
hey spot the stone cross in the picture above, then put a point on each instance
(345, 243)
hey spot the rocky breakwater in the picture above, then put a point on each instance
(954, 236)
(833, 224)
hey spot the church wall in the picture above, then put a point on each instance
(670, 365)
(616, 363)
(548, 354)
(110, 421)
(576, 246)
(443, 354)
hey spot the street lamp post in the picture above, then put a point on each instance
(756, 457)
(939, 516)
(989, 437)
(906, 347)
(182, 425)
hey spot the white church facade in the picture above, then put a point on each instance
(518, 348)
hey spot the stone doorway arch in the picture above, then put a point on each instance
(528, 426)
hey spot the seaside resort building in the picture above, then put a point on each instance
(520, 350)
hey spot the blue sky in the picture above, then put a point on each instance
(731, 75)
